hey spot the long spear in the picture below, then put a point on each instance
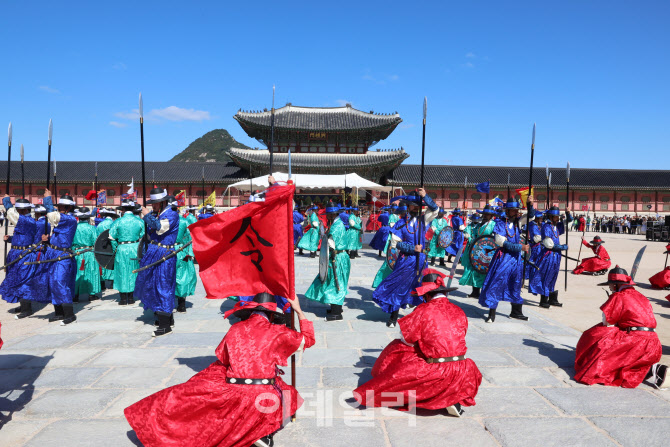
(203, 186)
(51, 131)
(144, 179)
(9, 164)
(465, 193)
(23, 177)
(423, 157)
(530, 190)
(55, 179)
(567, 226)
(95, 185)
(547, 186)
(508, 179)
(272, 128)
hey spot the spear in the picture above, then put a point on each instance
(51, 131)
(549, 191)
(9, 163)
(465, 192)
(95, 185)
(23, 178)
(203, 186)
(144, 179)
(530, 190)
(567, 226)
(272, 127)
(55, 179)
(423, 157)
(508, 179)
(547, 186)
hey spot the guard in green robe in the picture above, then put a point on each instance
(354, 233)
(88, 272)
(470, 276)
(311, 235)
(435, 251)
(109, 216)
(190, 217)
(126, 234)
(331, 291)
(385, 270)
(186, 279)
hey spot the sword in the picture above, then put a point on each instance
(636, 264)
(60, 258)
(21, 256)
(163, 259)
(452, 272)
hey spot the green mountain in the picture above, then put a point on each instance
(210, 147)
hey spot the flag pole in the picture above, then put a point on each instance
(567, 225)
(530, 190)
(9, 170)
(272, 128)
(423, 158)
(144, 178)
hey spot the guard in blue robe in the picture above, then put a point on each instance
(535, 237)
(379, 240)
(344, 217)
(62, 273)
(155, 286)
(503, 280)
(394, 292)
(459, 226)
(206, 212)
(15, 288)
(39, 285)
(543, 282)
(298, 219)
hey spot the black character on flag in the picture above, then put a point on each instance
(246, 224)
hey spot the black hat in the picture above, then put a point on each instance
(157, 195)
(597, 240)
(126, 205)
(262, 302)
(172, 201)
(83, 213)
(512, 204)
(22, 204)
(618, 276)
(432, 281)
(66, 199)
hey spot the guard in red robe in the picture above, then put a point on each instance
(598, 264)
(239, 400)
(582, 224)
(661, 280)
(426, 367)
(624, 349)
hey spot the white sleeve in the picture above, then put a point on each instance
(548, 243)
(430, 215)
(13, 216)
(500, 240)
(352, 222)
(394, 240)
(537, 238)
(165, 226)
(461, 228)
(315, 224)
(392, 224)
(331, 244)
(54, 218)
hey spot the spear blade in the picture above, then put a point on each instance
(54, 167)
(533, 134)
(567, 173)
(9, 134)
(21, 153)
(425, 108)
(141, 107)
(547, 170)
(51, 130)
(550, 179)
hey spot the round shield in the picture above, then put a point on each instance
(446, 237)
(104, 251)
(392, 255)
(482, 252)
(324, 258)
(142, 246)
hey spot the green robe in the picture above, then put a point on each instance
(470, 276)
(88, 272)
(191, 219)
(385, 270)
(353, 235)
(127, 228)
(310, 240)
(106, 224)
(186, 279)
(327, 292)
(435, 251)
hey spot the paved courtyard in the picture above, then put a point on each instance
(68, 386)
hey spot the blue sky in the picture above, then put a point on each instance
(593, 75)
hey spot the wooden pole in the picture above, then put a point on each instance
(144, 178)
(567, 225)
(423, 159)
(9, 170)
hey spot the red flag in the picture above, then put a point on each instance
(249, 249)
(180, 199)
(90, 195)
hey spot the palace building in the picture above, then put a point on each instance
(341, 140)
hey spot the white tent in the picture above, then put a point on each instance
(313, 181)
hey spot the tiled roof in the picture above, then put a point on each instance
(619, 179)
(124, 171)
(319, 118)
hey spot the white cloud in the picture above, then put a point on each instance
(48, 89)
(406, 126)
(117, 124)
(174, 113)
(134, 115)
(394, 77)
(119, 66)
(470, 55)
(469, 65)
(380, 79)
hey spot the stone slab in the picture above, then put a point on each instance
(89, 432)
(355, 340)
(117, 340)
(184, 339)
(331, 433)
(18, 432)
(490, 357)
(14, 379)
(520, 376)
(134, 377)
(129, 397)
(61, 358)
(331, 357)
(135, 357)
(50, 341)
(439, 430)
(11, 360)
(349, 378)
(505, 401)
(68, 377)
(606, 401)
(69, 403)
(547, 355)
(547, 432)
(635, 431)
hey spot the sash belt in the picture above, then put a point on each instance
(63, 249)
(240, 381)
(161, 245)
(446, 359)
(25, 247)
(129, 242)
(638, 328)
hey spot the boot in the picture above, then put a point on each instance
(455, 410)
(393, 319)
(163, 324)
(75, 299)
(58, 313)
(15, 310)
(130, 297)
(356, 254)
(26, 309)
(475, 292)
(300, 251)
(351, 254)
(442, 264)
(103, 285)
(312, 254)
(93, 297)
(68, 315)
(544, 301)
(491, 317)
(553, 299)
(181, 304)
(379, 253)
(432, 260)
(265, 441)
(124, 299)
(334, 313)
(449, 260)
(517, 313)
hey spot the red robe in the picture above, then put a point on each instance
(436, 329)
(582, 224)
(609, 355)
(661, 280)
(373, 224)
(207, 411)
(601, 261)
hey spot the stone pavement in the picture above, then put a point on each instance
(68, 386)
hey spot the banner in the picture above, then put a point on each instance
(523, 192)
(249, 249)
(483, 187)
(180, 199)
(102, 197)
(211, 200)
(585, 207)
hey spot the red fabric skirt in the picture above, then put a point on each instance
(399, 370)
(610, 356)
(661, 279)
(207, 411)
(594, 264)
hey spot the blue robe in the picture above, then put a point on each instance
(155, 287)
(503, 280)
(543, 282)
(16, 284)
(40, 282)
(394, 292)
(378, 242)
(204, 216)
(534, 232)
(457, 242)
(344, 217)
(297, 226)
(62, 274)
